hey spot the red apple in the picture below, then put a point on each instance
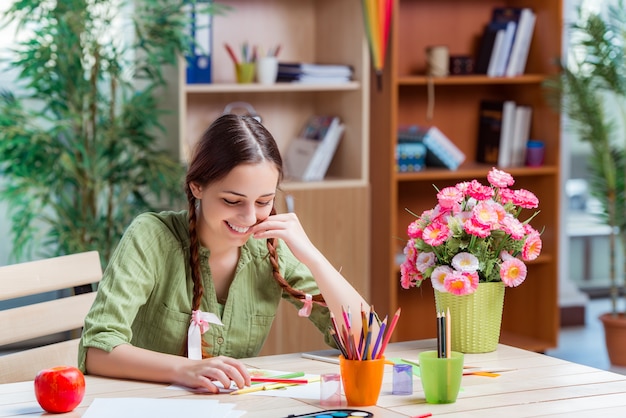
(59, 389)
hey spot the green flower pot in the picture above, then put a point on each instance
(475, 319)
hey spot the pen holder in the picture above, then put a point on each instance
(362, 380)
(245, 72)
(441, 377)
(267, 70)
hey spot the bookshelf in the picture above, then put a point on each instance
(531, 313)
(335, 211)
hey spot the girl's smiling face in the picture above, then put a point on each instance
(231, 206)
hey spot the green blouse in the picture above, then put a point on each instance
(145, 295)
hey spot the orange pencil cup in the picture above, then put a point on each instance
(362, 380)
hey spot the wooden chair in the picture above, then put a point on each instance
(62, 316)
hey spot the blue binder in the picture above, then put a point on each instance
(200, 30)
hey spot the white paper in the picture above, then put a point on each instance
(159, 408)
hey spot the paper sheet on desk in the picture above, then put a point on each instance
(308, 391)
(159, 408)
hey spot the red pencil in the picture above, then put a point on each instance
(231, 53)
(279, 380)
(389, 331)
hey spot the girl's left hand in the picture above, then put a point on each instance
(287, 227)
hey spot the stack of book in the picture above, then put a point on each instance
(504, 46)
(310, 154)
(503, 132)
(440, 150)
(298, 72)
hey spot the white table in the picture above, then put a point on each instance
(537, 385)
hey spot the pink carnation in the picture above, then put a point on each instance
(414, 230)
(532, 247)
(436, 233)
(513, 272)
(459, 283)
(500, 178)
(449, 197)
(485, 213)
(525, 199)
(474, 228)
(511, 225)
(479, 191)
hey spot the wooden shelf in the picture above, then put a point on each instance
(334, 212)
(466, 80)
(403, 99)
(232, 88)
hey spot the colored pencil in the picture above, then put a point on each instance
(381, 332)
(392, 326)
(231, 53)
(448, 334)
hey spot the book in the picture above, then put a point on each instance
(309, 155)
(521, 133)
(495, 52)
(485, 48)
(502, 50)
(505, 150)
(489, 131)
(307, 78)
(440, 150)
(328, 70)
(302, 72)
(521, 44)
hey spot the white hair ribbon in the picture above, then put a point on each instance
(306, 308)
(199, 325)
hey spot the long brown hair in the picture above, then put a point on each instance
(229, 141)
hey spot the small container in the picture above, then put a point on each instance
(267, 70)
(402, 379)
(535, 152)
(362, 380)
(437, 60)
(441, 377)
(244, 72)
(330, 389)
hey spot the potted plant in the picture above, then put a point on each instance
(470, 246)
(78, 148)
(591, 92)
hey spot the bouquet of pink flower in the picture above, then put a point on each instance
(473, 235)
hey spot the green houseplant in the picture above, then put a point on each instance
(591, 89)
(78, 147)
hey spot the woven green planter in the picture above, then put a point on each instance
(475, 318)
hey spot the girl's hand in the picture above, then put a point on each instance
(204, 373)
(287, 227)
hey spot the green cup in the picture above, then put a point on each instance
(441, 377)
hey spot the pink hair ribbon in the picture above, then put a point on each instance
(308, 305)
(199, 325)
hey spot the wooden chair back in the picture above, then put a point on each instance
(59, 319)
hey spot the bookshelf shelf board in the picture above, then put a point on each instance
(469, 171)
(231, 88)
(467, 80)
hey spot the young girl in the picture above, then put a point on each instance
(187, 293)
